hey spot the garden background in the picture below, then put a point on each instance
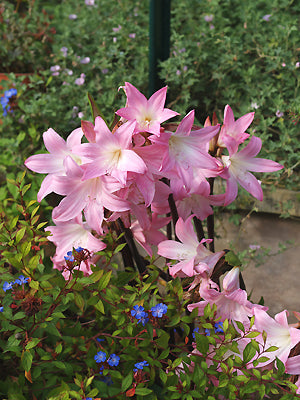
(245, 54)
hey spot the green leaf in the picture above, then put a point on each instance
(100, 307)
(34, 285)
(252, 334)
(79, 301)
(127, 381)
(142, 391)
(232, 259)
(94, 108)
(20, 234)
(248, 353)
(32, 343)
(202, 343)
(104, 281)
(26, 360)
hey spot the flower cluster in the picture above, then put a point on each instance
(6, 99)
(140, 366)
(21, 280)
(142, 316)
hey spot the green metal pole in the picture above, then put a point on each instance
(159, 40)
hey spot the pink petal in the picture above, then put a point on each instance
(134, 97)
(263, 165)
(53, 142)
(251, 184)
(185, 126)
(158, 99)
(89, 131)
(44, 163)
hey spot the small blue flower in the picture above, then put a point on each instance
(21, 280)
(195, 330)
(138, 312)
(113, 360)
(69, 256)
(219, 327)
(143, 320)
(88, 398)
(100, 340)
(207, 332)
(79, 249)
(159, 310)
(7, 286)
(100, 357)
(106, 379)
(1, 309)
(140, 365)
(101, 369)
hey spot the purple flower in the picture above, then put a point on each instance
(208, 18)
(100, 357)
(297, 65)
(182, 50)
(90, 2)
(178, 72)
(279, 114)
(85, 60)
(131, 35)
(211, 26)
(159, 310)
(185, 68)
(55, 70)
(113, 360)
(104, 71)
(117, 29)
(80, 115)
(80, 81)
(64, 50)
(73, 16)
(140, 365)
(7, 286)
(267, 17)
(254, 246)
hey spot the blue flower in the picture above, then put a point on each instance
(21, 280)
(113, 360)
(7, 286)
(88, 398)
(106, 379)
(69, 256)
(195, 330)
(100, 357)
(5, 99)
(79, 249)
(140, 365)
(138, 312)
(219, 327)
(207, 332)
(143, 320)
(1, 309)
(159, 310)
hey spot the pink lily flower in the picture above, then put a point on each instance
(186, 149)
(53, 163)
(74, 233)
(111, 153)
(90, 195)
(233, 132)
(196, 199)
(190, 252)
(231, 302)
(148, 114)
(279, 333)
(238, 165)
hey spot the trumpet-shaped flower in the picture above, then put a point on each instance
(194, 257)
(278, 331)
(233, 132)
(148, 114)
(111, 153)
(231, 302)
(53, 162)
(238, 165)
(90, 195)
(185, 149)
